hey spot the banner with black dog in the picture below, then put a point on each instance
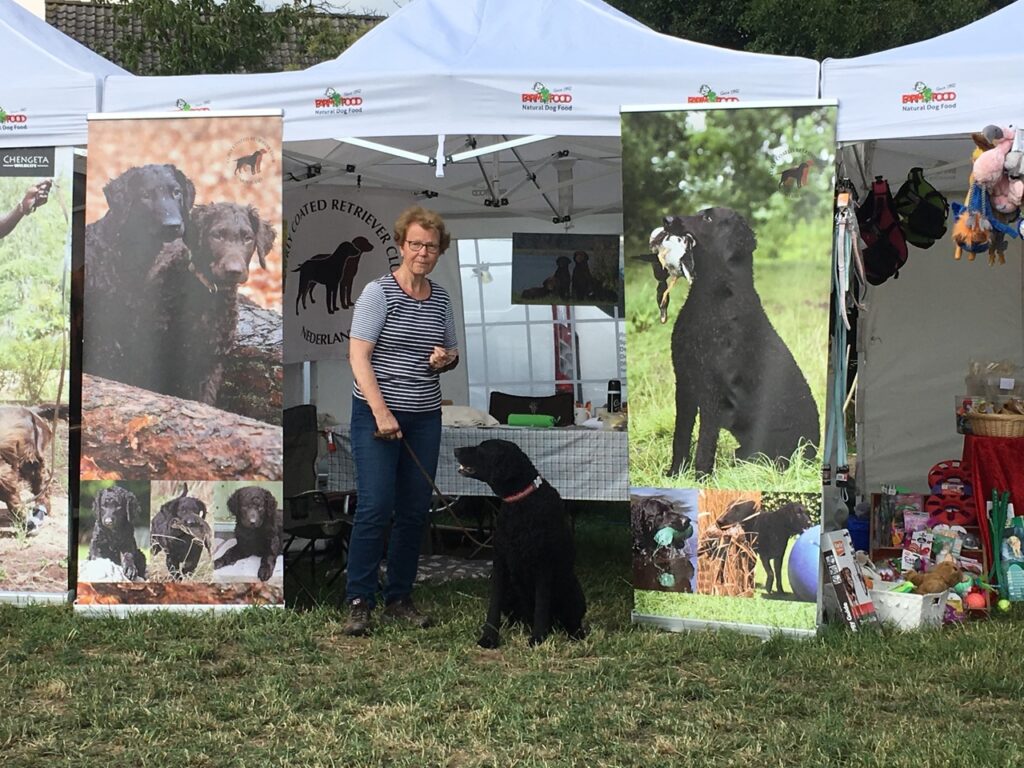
(727, 213)
(181, 471)
(35, 289)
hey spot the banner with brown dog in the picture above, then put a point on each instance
(181, 470)
(35, 290)
(727, 214)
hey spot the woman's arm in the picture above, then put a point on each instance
(360, 353)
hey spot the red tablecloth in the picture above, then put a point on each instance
(995, 462)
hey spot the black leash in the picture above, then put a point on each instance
(445, 500)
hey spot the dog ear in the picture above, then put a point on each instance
(265, 235)
(188, 190)
(96, 503)
(197, 221)
(117, 192)
(132, 507)
(233, 503)
(270, 504)
(202, 508)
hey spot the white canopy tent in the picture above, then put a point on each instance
(53, 82)
(915, 106)
(502, 116)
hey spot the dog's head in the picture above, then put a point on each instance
(253, 507)
(223, 238)
(657, 521)
(713, 243)
(581, 257)
(563, 262)
(116, 507)
(499, 463)
(186, 508)
(155, 199)
(742, 513)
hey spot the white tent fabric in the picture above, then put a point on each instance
(486, 66)
(921, 331)
(953, 83)
(53, 82)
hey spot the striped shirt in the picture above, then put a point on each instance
(404, 332)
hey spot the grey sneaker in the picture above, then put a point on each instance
(405, 610)
(358, 623)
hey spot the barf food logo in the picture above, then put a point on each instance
(249, 159)
(183, 106)
(335, 102)
(708, 96)
(925, 98)
(543, 99)
(13, 121)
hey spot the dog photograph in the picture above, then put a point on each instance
(35, 289)
(664, 526)
(113, 531)
(566, 269)
(182, 278)
(533, 581)
(727, 280)
(247, 521)
(180, 534)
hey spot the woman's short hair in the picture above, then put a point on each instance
(417, 214)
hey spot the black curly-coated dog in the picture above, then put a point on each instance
(532, 581)
(770, 531)
(731, 365)
(257, 529)
(661, 559)
(113, 535)
(180, 530)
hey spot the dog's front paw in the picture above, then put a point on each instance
(489, 637)
(537, 639)
(579, 634)
(266, 569)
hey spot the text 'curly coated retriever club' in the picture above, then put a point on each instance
(335, 271)
(532, 581)
(731, 365)
(661, 557)
(24, 439)
(257, 529)
(769, 531)
(180, 530)
(113, 534)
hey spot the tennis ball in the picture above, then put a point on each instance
(1004, 605)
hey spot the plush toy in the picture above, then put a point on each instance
(940, 578)
(995, 143)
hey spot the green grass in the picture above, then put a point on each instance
(285, 688)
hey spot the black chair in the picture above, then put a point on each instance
(561, 405)
(310, 514)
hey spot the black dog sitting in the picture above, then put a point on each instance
(661, 560)
(532, 581)
(180, 529)
(113, 535)
(257, 529)
(770, 531)
(730, 363)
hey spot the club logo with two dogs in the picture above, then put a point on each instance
(249, 159)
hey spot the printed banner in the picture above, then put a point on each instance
(35, 289)
(181, 470)
(338, 240)
(728, 237)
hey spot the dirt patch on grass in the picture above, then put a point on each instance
(36, 563)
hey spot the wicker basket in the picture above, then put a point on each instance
(997, 424)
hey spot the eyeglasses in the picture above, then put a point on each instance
(416, 246)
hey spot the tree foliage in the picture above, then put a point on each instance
(816, 29)
(187, 37)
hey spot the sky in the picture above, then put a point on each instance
(379, 7)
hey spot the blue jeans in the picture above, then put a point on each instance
(392, 491)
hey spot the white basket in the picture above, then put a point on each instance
(906, 610)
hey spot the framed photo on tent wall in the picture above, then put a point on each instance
(566, 269)
(727, 217)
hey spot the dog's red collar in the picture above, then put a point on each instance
(533, 486)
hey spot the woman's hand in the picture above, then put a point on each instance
(441, 357)
(387, 426)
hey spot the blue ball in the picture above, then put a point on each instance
(803, 564)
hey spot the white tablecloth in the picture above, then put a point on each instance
(583, 464)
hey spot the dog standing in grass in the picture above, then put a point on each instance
(532, 581)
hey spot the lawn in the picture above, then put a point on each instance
(277, 687)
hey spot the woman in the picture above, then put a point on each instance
(402, 337)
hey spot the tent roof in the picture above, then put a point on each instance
(54, 85)
(951, 84)
(486, 66)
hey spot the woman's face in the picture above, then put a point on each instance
(420, 262)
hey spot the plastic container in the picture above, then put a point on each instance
(906, 610)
